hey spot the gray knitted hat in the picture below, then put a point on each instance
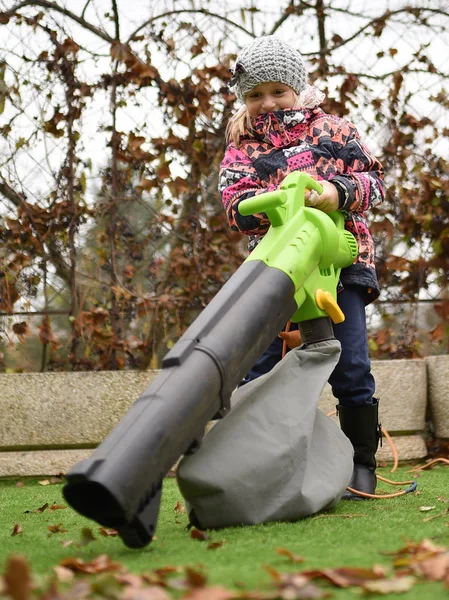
(267, 59)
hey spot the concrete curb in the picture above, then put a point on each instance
(438, 393)
(49, 421)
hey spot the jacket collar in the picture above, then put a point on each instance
(279, 128)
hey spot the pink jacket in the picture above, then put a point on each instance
(326, 147)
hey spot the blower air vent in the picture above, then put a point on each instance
(352, 244)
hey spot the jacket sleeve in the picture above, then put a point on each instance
(360, 182)
(238, 181)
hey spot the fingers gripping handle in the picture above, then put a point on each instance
(280, 205)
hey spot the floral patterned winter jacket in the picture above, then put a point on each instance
(325, 147)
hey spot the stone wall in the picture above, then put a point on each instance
(49, 421)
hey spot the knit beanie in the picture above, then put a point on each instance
(267, 59)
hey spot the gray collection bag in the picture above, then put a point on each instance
(276, 456)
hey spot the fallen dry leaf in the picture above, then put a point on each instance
(347, 576)
(435, 568)
(180, 508)
(100, 564)
(17, 578)
(17, 529)
(63, 574)
(215, 592)
(294, 558)
(398, 585)
(108, 532)
(195, 578)
(51, 481)
(57, 507)
(197, 534)
(56, 528)
(426, 508)
(38, 510)
(192, 579)
(130, 579)
(297, 587)
(146, 593)
(214, 545)
(442, 514)
(272, 572)
(165, 572)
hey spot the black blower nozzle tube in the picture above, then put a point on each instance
(119, 486)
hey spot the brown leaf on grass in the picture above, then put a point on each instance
(161, 575)
(272, 572)
(129, 579)
(86, 536)
(66, 543)
(17, 578)
(63, 574)
(108, 532)
(398, 585)
(51, 481)
(146, 593)
(412, 552)
(443, 514)
(57, 528)
(195, 578)
(17, 529)
(38, 510)
(294, 558)
(192, 579)
(164, 572)
(214, 545)
(297, 587)
(435, 568)
(346, 576)
(180, 508)
(100, 564)
(55, 506)
(199, 535)
(214, 592)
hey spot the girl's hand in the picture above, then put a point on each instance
(327, 201)
(292, 338)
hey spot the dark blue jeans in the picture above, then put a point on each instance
(352, 381)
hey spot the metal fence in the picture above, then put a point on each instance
(87, 234)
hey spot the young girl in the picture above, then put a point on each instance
(281, 128)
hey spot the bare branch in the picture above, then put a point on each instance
(201, 11)
(116, 19)
(289, 11)
(387, 15)
(64, 11)
(85, 8)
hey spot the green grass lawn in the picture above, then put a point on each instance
(357, 534)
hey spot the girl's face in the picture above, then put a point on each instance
(268, 97)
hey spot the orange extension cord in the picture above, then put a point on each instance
(413, 484)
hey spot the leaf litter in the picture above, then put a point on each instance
(78, 579)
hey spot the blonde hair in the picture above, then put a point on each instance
(240, 123)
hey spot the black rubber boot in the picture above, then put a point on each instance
(361, 425)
